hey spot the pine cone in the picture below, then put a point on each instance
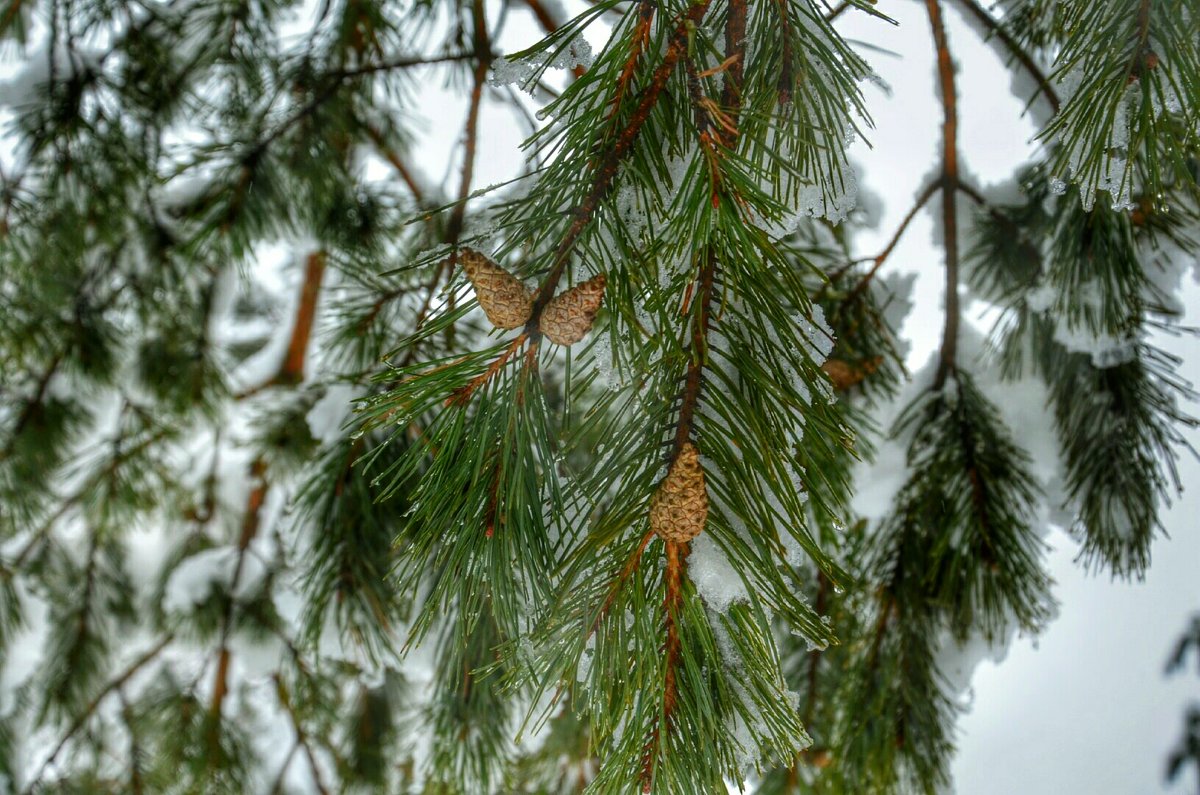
(845, 375)
(679, 509)
(568, 317)
(506, 302)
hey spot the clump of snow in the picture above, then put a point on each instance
(193, 579)
(832, 199)
(1106, 350)
(605, 363)
(817, 334)
(717, 581)
(1040, 298)
(524, 71)
(1114, 174)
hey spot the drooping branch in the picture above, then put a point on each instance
(483, 56)
(677, 551)
(672, 606)
(606, 170)
(922, 199)
(83, 717)
(389, 153)
(945, 67)
(285, 700)
(250, 525)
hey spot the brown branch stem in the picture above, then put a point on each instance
(677, 551)
(291, 369)
(672, 605)
(606, 171)
(945, 67)
(285, 700)
(250, 525)
(380, 141)
(94, 704)
(922, 199)
(461, 395)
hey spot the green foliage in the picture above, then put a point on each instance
(1129, 74)
(414, 554)
(1116, 407)
(971, 500)
(1187, 750)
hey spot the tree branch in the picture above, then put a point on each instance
(291, 369)
(250, 524)
(390, 154)
(1018, 52)
(94, 704)
(945, 65)
(301, 738)
(922, 199)
(606, 172)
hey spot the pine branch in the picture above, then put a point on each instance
(922, 199)
(483, 46)
(250, 526)
(406, 174)
(81, 721)
(291, 369)
(606, 170)
(945, 67)
(285, 701)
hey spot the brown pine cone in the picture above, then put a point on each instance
(506, 302)
(568, 317)
(845, 375)
(679, 509)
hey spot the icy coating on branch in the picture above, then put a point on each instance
(523, 72)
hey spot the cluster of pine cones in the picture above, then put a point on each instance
(679, 508)
(508, 303)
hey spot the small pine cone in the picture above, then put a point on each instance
(841, 374)
(845, 375)
(568, 317)
(505, 301)
(679, 509)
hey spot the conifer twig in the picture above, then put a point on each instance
(606, 171)
(626, 572)
(945, 68)
(406, 174)
(672, 605)
(483, 55)
(301, 736)
(94, 704)
(463, 394)
(641, 35)
(550, 25)
(250, 525)
(838, 10)
(922, 199)
(291, 369)
(677, 551)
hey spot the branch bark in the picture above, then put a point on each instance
(945, 67)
